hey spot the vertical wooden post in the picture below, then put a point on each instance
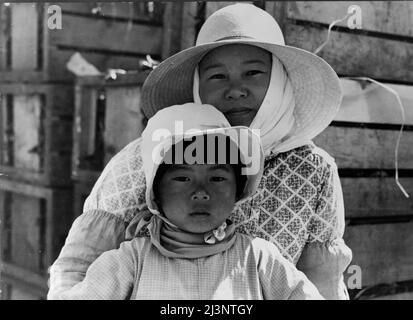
(172, 27)
(189, 24)
(25, 36)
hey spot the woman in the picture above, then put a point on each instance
(240, 65)
(189, 206)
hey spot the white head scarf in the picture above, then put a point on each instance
(275, 117)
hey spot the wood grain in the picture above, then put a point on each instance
(213, 6)
(123, 121)
(127, 10)
(24, 34)
(40, 221)
(84, 32)
(356, 55)
(376, 197)
(26, 231)
(384, 252)
(363, 148)
(392, 17)
(26, 126)
(369, 103)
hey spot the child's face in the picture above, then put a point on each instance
(197, 198)
(234, 79)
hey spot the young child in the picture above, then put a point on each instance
(193, 251)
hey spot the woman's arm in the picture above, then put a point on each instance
(279, 278)
(109, 277)
(325, 257)
(92, 233)
(117, 195)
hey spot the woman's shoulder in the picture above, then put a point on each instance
(257, 245)
(304, 160)
(262, 251)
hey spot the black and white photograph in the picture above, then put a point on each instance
(206, 150)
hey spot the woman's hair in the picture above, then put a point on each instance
(209, 156)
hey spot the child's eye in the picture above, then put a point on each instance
(254, 72)
(181, 179)
(218, 179)
(217, 76)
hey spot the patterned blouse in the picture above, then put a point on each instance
(299, 201)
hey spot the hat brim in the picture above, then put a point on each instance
(316, 85)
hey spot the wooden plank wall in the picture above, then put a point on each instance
(386, 27)
(363, 136)
(41, 152)
(37, 112)
(31, 238)
(108, 117)
(108, 35)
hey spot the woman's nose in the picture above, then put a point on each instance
(200, 195)
(236, 92)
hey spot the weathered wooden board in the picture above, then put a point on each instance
(22, 284)
(400, 296)
(117, 37)
(26, 234)
(38, 220)
(189, 21)
(24, 32)
(172, 29)
(364, 148)
(123, 120)
(213, 6)
(347, 53)
(120, 114)
(376, 197)
(40, 152)
(384, 252)
(4, 36)
(27, 130)
(393, 17)
(128, 10)
(21, 294)
(102, 61)
(85, 32)
(367, 102)
(4, 129)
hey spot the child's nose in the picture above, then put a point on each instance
(200, 195)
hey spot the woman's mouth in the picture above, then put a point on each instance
(237, 111)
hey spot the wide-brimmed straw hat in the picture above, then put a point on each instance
(316, 86)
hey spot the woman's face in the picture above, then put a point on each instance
(234, 79)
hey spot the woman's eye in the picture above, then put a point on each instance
(181, 179)
(254, 72)
(218, 179)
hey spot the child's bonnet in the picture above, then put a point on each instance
(187, 122)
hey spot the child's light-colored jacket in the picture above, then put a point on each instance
(252, 269)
